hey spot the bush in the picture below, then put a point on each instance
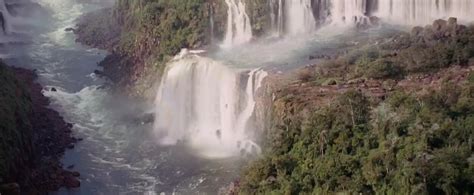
(382, 69)
(407, 144)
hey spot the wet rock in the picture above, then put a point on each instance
(452, 21)
(71, 182)
(76, 174)
(439, 25)
(69, 29)
(417, 31)
(54, 89)
(99, 73)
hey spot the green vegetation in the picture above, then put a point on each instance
(424, 50)
(402, 143)
(15, 105)
(161, 27)
(406, 144)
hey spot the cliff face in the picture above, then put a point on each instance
(32, 137)
(143, 35)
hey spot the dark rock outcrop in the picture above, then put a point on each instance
(36, 137)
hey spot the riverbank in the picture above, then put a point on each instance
(34, 137)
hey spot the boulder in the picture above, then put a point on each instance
(417, 31)
(439, 24)
(452, 21)
(71, 182)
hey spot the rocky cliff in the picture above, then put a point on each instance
(143, 35)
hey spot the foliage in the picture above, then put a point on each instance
(15, 105)
(162, 27)
(406, 144)
(426, 50)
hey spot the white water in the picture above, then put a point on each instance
(345, 12)
(421, 12)
(7, 18)
(202, 103)
(276, 15)
(299, 17)
(400, 12)
(239, 29)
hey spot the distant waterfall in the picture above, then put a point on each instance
(276, 15)
(302, 16)
(239, 29)
(348, 11)
(402, 12)
(206, 104)
(5, 18)
(419, 12)
(299, 16)
(292, 16)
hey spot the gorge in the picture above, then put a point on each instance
(267, 96)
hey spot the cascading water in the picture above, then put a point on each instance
(302, 16)
(348, 12)
(5, 18)
(239, 29)
(201, 102)
(292, 17)
(299, 16)
(401, 12)
(419, 12)
(276, 15)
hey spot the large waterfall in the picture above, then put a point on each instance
(239, 29)
(207, 105)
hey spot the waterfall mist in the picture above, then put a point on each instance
(207, 105)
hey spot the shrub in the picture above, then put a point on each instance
(382, 69)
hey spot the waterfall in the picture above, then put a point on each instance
(276, 15)
(420, 12)
(401, 12)
(5, 18)
(211, 23)
(238, 30)
(348, 11)
(207, 105)
(299, 16)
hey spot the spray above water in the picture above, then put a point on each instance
(202, 102)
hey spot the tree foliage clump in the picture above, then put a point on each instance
(407, 144)
(162, 27)
(424, 50)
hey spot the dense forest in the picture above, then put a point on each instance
(409, 140)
